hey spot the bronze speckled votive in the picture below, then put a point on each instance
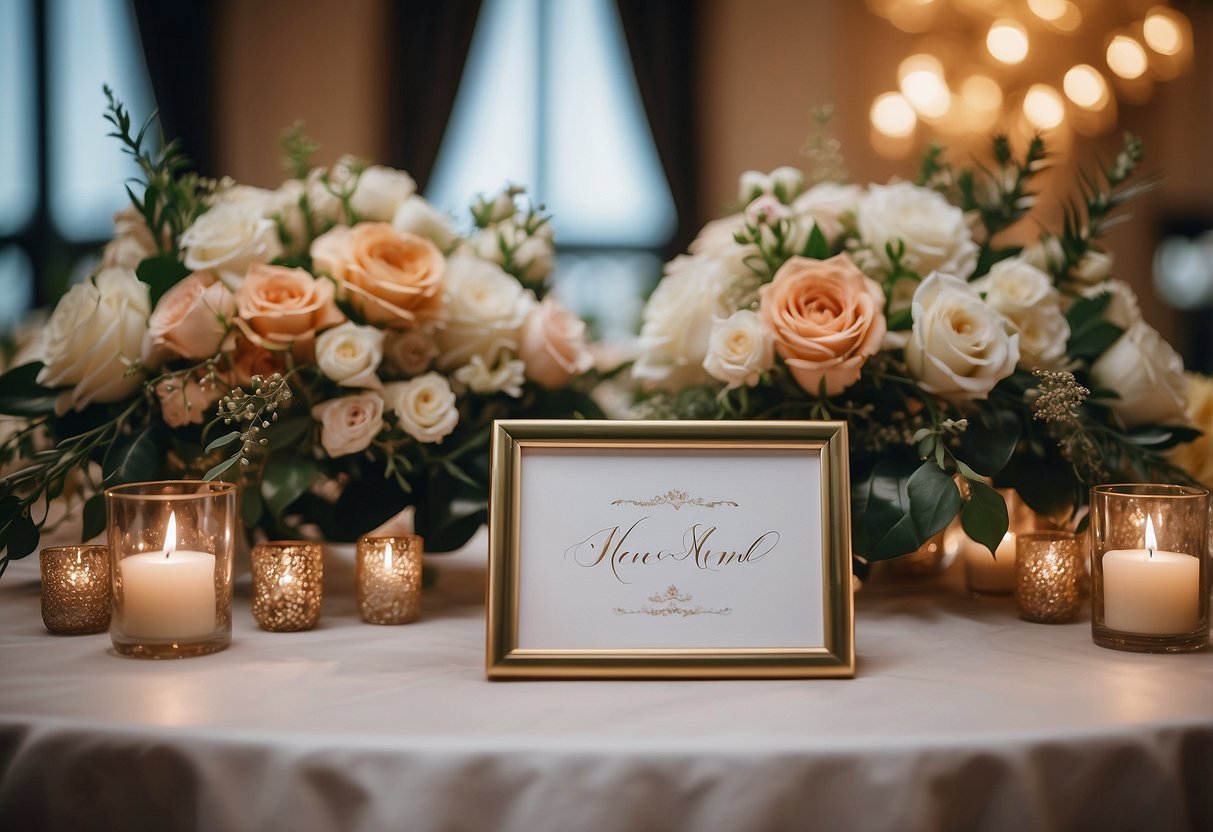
(388, 578)
(288, 584)
(1049, 576)
(75, 589)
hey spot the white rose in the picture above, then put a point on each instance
(739, 349)
(229, 238)
(1093, 268)
(1122, 310)
(959, 347)
(92, 338)
(678, 320)
(1025, 296)
(425, 406)
(350, 354)
(933, 231)
(380, 192)
(485, 309)
(349, 424)
(1046, 254)
(324, 204)
(718, 237)
(534, 258)
(286, 207)
(416, 216)
(502, 373)
(1147, 374)
(830, 205)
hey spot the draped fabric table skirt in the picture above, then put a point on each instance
(961, 717)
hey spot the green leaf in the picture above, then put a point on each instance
(161, 273)
(22, 395)
(94, 517)
(1160, 438)
(987, 444)
(20, 537)
(250, 507)
(1087, 311)
(984, 516)
(817, 248)
(452, 532)
(133, 459)
(284, 434)
(226, 439)
(214, 473)
(1093, 341)
(934, 500)
(888, 527)
(900, 320)
(285, 478)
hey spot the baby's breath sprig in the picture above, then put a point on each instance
(252, 413)
(1057, 399)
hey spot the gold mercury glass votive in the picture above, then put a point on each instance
(171, 545)
(288, 584)
(75, 589)
(388, 578)
(1049, 574)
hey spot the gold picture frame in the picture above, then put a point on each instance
(549, 619)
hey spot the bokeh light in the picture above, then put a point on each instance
(1007, 41)
(1043, 107)
(892, 115)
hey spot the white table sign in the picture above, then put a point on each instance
(714, 549)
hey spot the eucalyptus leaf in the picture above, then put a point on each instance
(94, 517)
(222, 467)
(226, 439)
(20, 537)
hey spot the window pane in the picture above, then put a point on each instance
(491, 138)
(18, 159)
(16, 287)
(607, 288)
(91, 43)
(603, 180)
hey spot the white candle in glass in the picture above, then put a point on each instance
(1150, 591)
(169, 594)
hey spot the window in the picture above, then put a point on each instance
(548, 99)
(61, 180)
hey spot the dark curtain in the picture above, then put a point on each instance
(429, 47)
(662, 40)
(179, 47)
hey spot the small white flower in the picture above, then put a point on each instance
(504, 374)
(426, 407)
(739, 349)
(350, 354)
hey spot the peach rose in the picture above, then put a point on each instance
(250, 360)
(826, 317)
(191, 403)
(552, 345)
(283, 308)
(190, 320)
(393, 278)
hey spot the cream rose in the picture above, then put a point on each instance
(190, 320)
(1147, 374)
(718, 237)
(959, 347)
(392, 278)
(826, 318)
(485, 310)
(416, 216)
(379, 193)
(283, 308)
(191, 403)
(1094, 267)
(678, 320)
(92, 338)
(934, 232)
(830, 205)
(739, 349)
(409, 352)
(1025, 296)
(1123, 310)
(229, 238)
(552, 345)
(425, 407)
(349, 424)
(350, 354)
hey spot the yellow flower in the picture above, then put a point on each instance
(1197, 457)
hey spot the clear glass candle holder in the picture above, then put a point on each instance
(288, 584)
(75, 589)
(388, 578)
(1149, 567)
(171, 549)
(1049, 574)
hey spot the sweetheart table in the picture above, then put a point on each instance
(961, 717)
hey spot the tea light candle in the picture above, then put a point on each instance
(1151, 591)
(169, 595)
(388, 578)
(75, 589)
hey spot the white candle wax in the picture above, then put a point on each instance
(1155, 593)
(991, 574)
(168, 597)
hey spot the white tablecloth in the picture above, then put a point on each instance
(961, 717)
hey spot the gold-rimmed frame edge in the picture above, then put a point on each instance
(506, 660)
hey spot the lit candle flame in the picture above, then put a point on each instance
(1151, 540)
(387, 556)
(170, 535)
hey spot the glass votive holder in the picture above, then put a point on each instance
(1149, 567)
(288, 584)
(75, 589)
(1049, 574)
(171, 545)
(388, 578)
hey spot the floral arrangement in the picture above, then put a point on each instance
(960, 363)
(334, 346)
